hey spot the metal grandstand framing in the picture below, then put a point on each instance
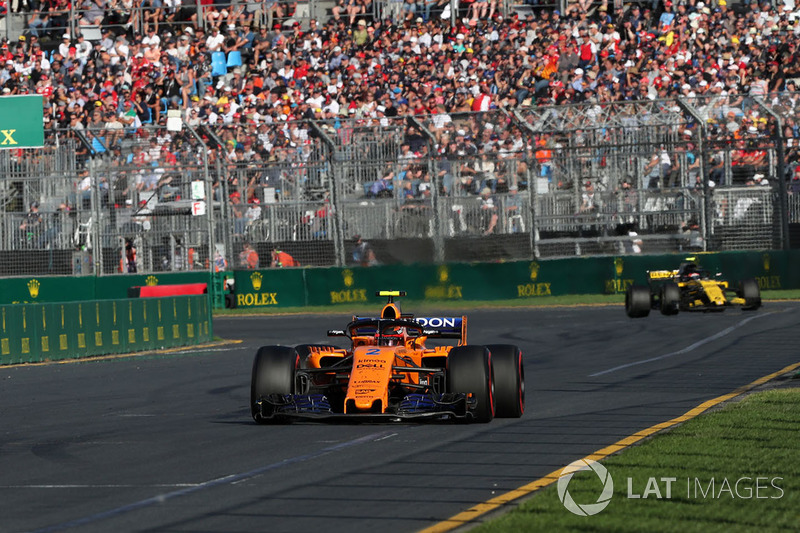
(596, 178)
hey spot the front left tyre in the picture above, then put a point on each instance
(469, 371)
(273, 373)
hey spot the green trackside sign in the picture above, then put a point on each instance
(21, 122)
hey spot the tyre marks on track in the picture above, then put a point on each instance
(224, 480)
(688, 349)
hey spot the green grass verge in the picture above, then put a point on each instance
(754, 438)
(462, 305)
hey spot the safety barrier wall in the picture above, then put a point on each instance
(32, 333)
(48, 289)
(494, 281)
(300, 287)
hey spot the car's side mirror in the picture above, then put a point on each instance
(337, 333)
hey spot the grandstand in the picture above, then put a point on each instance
(533, 132)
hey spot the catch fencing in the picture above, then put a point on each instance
(540, 182)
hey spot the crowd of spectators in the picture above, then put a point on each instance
(410, 61)
(410, 65)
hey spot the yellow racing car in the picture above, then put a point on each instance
(689, 288)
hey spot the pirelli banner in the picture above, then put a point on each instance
(21, 122)
(32, 333)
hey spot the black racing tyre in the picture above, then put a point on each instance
(637, 301)
(469, 370)
(670, 298)
(748, 289)
(509, 380)
(273, 373)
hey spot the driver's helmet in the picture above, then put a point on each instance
(392, 337)
(690, 271)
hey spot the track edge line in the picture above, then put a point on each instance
(465, 517)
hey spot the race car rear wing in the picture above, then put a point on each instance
(444, 327)
(661, 274)
(432, 327)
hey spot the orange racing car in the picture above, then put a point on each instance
(389, 373)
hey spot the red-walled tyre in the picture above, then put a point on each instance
(469, 370)
(509, 380)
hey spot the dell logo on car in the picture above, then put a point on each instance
(438, 322)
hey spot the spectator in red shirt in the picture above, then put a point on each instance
(281, 259)
(248, 257)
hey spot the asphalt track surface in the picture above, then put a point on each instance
(167, 444)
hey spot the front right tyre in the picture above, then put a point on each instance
(749, 290)
(670, 298)
(273, 373)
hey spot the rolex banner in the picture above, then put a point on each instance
(21, 122)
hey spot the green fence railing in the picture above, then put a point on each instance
(32, 333)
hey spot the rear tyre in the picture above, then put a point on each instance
(469, 370)
(637, 301)
(509, 380)
(748, 289)
(273, 373)
(670, 298)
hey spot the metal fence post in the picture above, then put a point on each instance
(531, 177)
(222, 176)
(705, 212)
(209, 198)
(532, 195)
(338, 234)
(335, 160)
(438, 240)
(200, 15)
(97, 245)
(783, 200)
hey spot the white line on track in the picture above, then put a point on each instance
(688, 349)
(225, 480)
(158, 485)
(208, 350)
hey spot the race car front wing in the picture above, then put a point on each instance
(412, 406)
